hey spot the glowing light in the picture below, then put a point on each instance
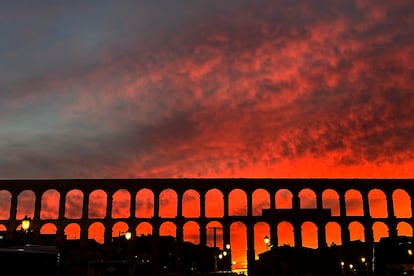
(26, 224)
(266, 240)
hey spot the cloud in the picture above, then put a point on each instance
(286, 88)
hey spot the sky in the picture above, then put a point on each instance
(236, 88)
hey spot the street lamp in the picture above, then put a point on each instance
(266, 241)
(228, 258)
(128, 235)
(25, 224)
(365, 263)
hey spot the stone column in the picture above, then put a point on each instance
(155, 262)
(179, 205)
(156, 204)
(60, 232)
(321, 236)
(202, 205)
(272, 201)
(180, 243)
(249, 204)
(365, 204)
(250, 248)
(295, 201)
(84, 224)
(36, 217)
(62, 201)
(202, 221)
(342, 205)
(203, 233)
(393, 231)
(319, 201)
(132, 204)
(38, 206)
(109, 205)
(11, 231)
(273, 234)
(226, 233)
(345, 235)
(369, 235)
(226, 204)
(297, 232)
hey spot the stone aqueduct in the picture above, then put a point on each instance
(296, 215)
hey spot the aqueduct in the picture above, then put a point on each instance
(296, 215)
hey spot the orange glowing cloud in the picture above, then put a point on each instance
(236, 89)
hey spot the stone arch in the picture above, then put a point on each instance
(121, 203)
(333, 233)
(50, 204)
(261, 229)
(219, 234)
(26, 204)
(143, 228)
(97, 204)
(377, 202)
(353, 203)
(144, 203)
(5, 203)
(168, 203)
(3, 227)
(119, 241)
(285, 234)
(356, 231)
(120, 228)
(168, 228)
(404, 229)
(307, 199)
(237, 203)
(48, 228)
(191, 204)
(96, 231)
(191, 231)
(380, 230)
(330, 200)
(74, 204)
(214, 203)
(72, 231)
(238, 233)
(260, 201)
(283, 199)
(402, 204)
(309, 232)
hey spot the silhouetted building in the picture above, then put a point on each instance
(394, 256)
(24, 260)
(350, 259)
(123, 257)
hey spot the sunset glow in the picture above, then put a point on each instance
(210, 89)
